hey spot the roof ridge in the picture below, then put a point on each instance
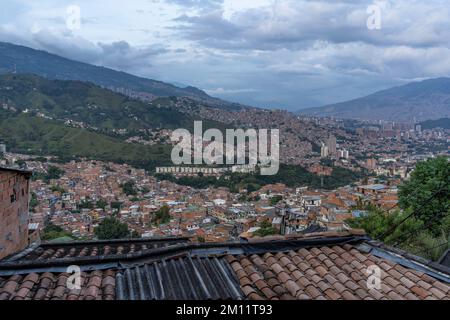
(247, 247)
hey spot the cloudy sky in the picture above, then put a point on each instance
(288, 54)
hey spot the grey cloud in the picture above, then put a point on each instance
(296, 24)
(118, 55)
(301, 53)
(201, 4)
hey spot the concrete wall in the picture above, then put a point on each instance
(14, 201)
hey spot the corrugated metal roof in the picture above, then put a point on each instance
(184, 278)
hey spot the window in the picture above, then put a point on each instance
(13, 198)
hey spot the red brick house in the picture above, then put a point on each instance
(14, 205)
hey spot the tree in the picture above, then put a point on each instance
(101, 203)
(58, 188)
(377, 222)
(410, 236)
(111, 228)
(162, 216)
(266, 229)
(275, 200)
(427, 193)
(116, 205)
(54, 173)
(85, 204)
(129, 188)
(52, 232)
(34, 202)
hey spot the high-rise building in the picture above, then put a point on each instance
(332, 145)
(2, 148)
(324, 152)
(418, 128)
(346, 154)
(371, 163)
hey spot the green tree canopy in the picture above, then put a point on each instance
(266, 229)
(111, 228)
(101, 204)
(427, 193)
(162, 216)
(52, 232)
(275, 200)
(129, 188)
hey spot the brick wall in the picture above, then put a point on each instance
(14, 201)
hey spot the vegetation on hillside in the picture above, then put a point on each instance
(423, 225)
(52, 232)
(42, 137)
(112, 228)
(51, 66)
(52, 173)
(266, 229)
(162, 216)
(275, 200)
(129, 188)
(87, 103)
(292, 176)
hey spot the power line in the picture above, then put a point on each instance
(436, 247)
(393, 228)
(430, 222)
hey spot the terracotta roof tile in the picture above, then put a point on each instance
(49, 286)
(245, 281)
(411, 276)
(394, 296)
(254, 277)
(394, 273)
(337, 272)
(321, 271)
(347, 295)
(376, 294)
(293, 288)
(423, 284)
(391, 281)
(312, 291)
(361, 293)
(401, 290)
(411, 296)
(442, 286)
(406, 282)
(420, 292)
(438, 293)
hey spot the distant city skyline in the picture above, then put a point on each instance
(266, 53)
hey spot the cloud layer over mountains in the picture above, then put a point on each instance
(272, 53)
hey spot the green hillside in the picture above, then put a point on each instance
(37, 136)
(440, 123)
(29, 61)
(87, 103)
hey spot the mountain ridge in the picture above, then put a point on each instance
(415, 101)
(21, 59)
(88, 105)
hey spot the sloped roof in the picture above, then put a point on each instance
(320, 266)
(27, 173)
